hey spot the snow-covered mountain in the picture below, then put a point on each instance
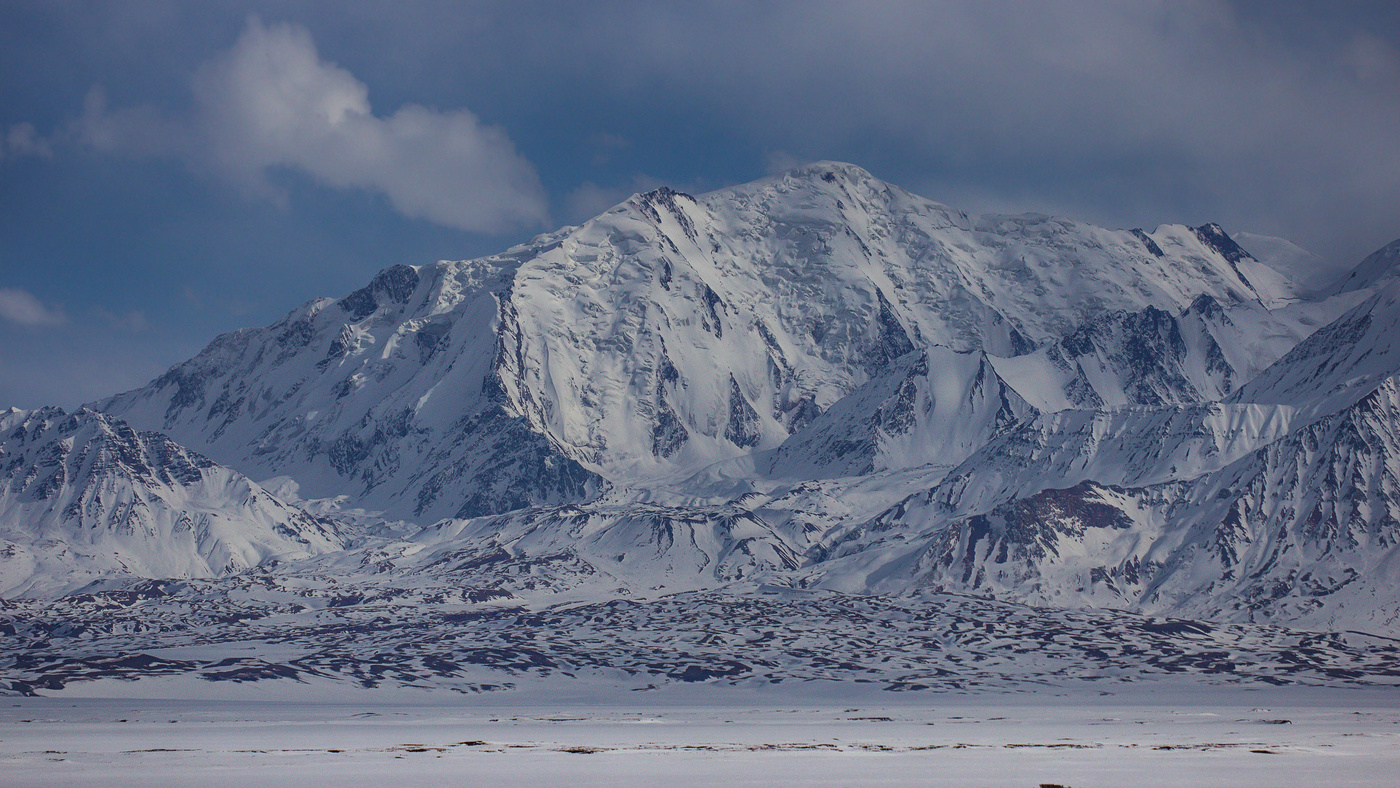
(674, 332)
(84, 496)
(820, 380)
(1338, 364)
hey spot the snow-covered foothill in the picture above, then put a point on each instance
(85, 497)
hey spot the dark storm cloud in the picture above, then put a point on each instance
(1126, 112)
(1279, 117)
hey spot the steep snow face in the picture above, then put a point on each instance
(1143, 358)
(1039, 485)
(674, 332)
(1378, 268)
(1306, 530)
(1226, 511)
(84, 496)
(1126, 447)
(933, 408)
(1303, 273)
(391, 396)
(1340, 363)
(1154, 357)
(1054, 547)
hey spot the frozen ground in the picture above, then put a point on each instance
(321, 636)
(385, 684)
(1281, 736)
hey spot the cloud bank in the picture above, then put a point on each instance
(1156, 110)
(1272, 115)
(271, 103)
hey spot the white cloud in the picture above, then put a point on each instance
(271, 103)
(135, 131)
(22, 139)
(20, 307)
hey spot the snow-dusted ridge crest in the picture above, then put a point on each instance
(821, 380)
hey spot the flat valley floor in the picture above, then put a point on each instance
(1154, 735)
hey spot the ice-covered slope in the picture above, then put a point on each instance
(1378, 268)
(673, 332)
(391, 396)
(1066, 459)
(84, 496)
(1306, 530)
(1339, 363)
(932, 407)
(1222, 511)
(1306, 272)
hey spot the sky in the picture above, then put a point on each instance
(173, 170)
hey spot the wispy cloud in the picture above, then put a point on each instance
(22, 139)
(22, 308)
(133, 321)
(1110, 111)
(271, 103)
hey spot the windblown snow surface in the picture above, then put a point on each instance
(810, 442)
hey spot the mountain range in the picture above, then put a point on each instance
(817, 381)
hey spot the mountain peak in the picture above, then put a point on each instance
(394, 284)
(1380, 266)
(830, 172)
(817, 378)
(619, 338)
(1215, 237)
(663, 194)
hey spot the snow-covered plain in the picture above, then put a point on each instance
(1274, 737)
(746, 686)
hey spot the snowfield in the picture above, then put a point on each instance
(1274, 738)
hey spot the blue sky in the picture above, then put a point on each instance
(169, 170)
